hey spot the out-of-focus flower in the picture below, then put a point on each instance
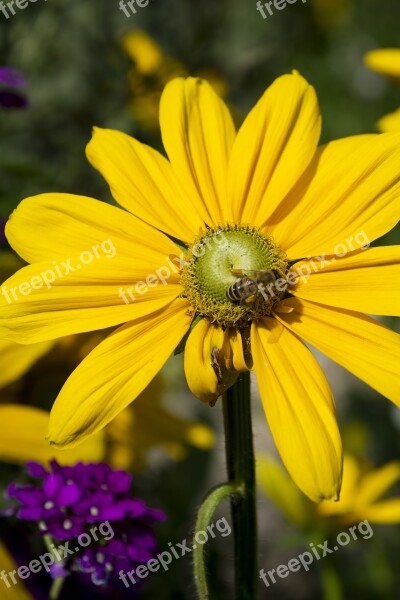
(384, 60)
(151, 71)
(387, 62)
(329, 13)
(16, 359)
(66, 502)
(11, 77)
(362, 495)
(10, 98)
(22, 438)
(135, 432)
(389, 122)
(11, 592)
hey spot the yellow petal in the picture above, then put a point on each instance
(278, 486)
(299, 407)
(88, 299)
(115, 373)
(366, 281)
(22, 438)
(143, 50)
(387, 512)
(200, 374)
(358, 343)
(17, 359)
(390, 122)
(147, 424)
(213, 359)
(60, 226)
(384, 60)
(376, 483)
(142, 181)
(13, 592)
(349, 193)
(198, 134)
(273, 148)
(348, 493)
(108, 265)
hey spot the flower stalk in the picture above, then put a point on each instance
(241, 472)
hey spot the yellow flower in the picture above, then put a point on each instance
(14, 592)
(387, 62)
(384, 60)
(330, 12)
(362, 495)
(252, 202)
(152, 70)
(389, 122)
(126, 442)
(22, 438)
(146, 425)
(16, 359)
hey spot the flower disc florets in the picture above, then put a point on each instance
(230, 275)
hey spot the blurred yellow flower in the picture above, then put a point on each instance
(330, 12)
(15, 592)
(135, 431)
(384, 60)
(362, 495)
(16, 359)
(151, 71)
(126, 443)
(390, 122)
(22, 438)
(387, 62)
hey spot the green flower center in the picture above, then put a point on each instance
(231, 275)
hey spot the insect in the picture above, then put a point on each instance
(247, 289)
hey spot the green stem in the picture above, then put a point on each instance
(241, 472)
(204, 517)
(56, 587)
(331, 585)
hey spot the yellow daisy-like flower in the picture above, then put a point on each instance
(14, 592)
(387, 62)
(389, 122)
(241, 205)
(152, 70)
(362, 495)
(384, 60)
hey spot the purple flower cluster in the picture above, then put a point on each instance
(89, 502)
(10, 98)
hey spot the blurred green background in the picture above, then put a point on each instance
(79, 75)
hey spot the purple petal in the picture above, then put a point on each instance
(133, 507)
(139, 555)
(12, 77)
(153, 515)
(68, 495)
(36, 470)
(52, 485)
(26, 495)
(66, 528)
(30, 514)
(57, 570)
(119, 482)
